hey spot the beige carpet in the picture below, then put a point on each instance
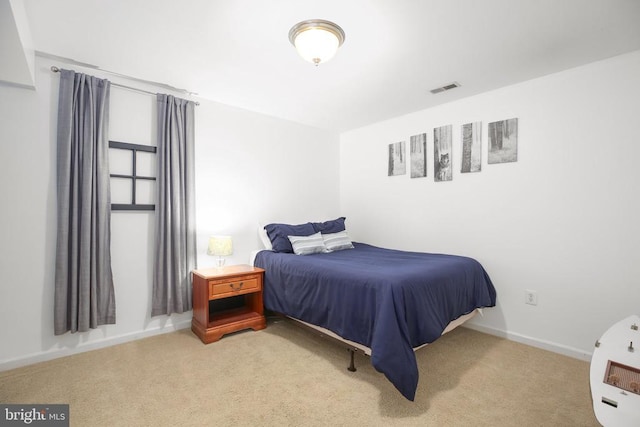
(287, 376)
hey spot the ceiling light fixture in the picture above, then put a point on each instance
(316, 40)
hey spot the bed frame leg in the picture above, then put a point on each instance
(352, 365)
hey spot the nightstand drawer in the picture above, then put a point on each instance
(224, 288)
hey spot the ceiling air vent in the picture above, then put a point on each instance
(445, 87)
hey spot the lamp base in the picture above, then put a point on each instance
(220, 262)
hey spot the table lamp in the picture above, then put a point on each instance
(220, 246)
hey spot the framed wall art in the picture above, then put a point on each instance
(418, 155)
(471, 147)
(397, 159)
(442, 157)
(503, 141)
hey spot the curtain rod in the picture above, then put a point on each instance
(95, 67)
(57, 70)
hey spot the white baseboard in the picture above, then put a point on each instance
(93, 345)
(534, 342)
(107, 342)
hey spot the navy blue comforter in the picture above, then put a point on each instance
(387, 300)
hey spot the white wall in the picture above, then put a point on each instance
(253, 169)
(562, 220)
(16, 45)
(249, 168)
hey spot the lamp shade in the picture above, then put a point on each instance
(220, 246)
(316, 40)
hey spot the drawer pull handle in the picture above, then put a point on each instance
(232, 285)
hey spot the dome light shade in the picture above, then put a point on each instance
(316, 40)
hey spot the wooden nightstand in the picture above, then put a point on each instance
(219, 283)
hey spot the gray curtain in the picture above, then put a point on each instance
(175, 252)
(84, 296)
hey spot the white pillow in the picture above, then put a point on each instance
(337, 241)
(307, 245)
(264, 238)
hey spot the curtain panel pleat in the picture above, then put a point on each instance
(175, 249)
(84, 292)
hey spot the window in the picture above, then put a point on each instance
(133, 180)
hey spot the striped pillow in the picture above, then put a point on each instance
(337, 241)
(307, 245)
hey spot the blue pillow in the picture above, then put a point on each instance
(279, 234)
(328, 227)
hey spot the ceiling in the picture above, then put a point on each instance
(237, 52)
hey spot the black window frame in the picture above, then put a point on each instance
(134, 148)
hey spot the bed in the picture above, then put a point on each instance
(387, 301)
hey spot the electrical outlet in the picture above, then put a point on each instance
(530, 297)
